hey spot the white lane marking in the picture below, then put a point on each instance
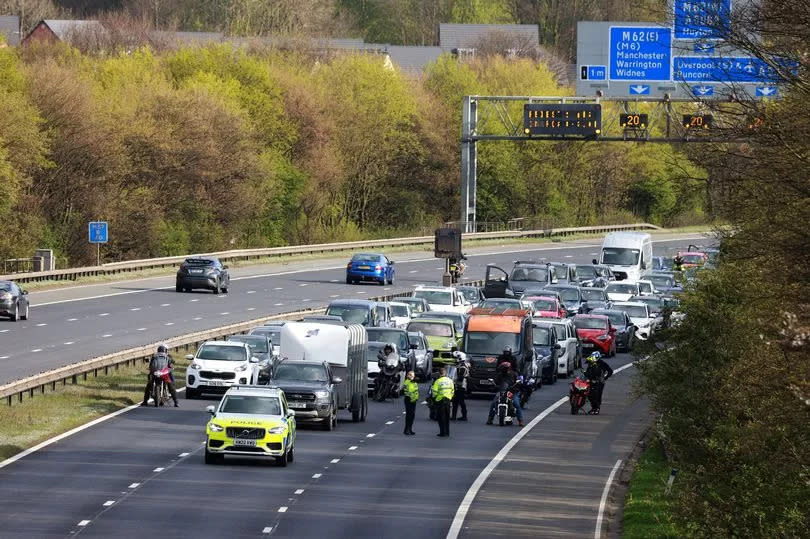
(84, 523)
(389, 422)
(135, 485)
(165, 304)
(197, 318)
(335, 281)
(305, 300)
(440, 268)
(361, 292)
(464, 507)
(598, 532)
(193, 300)
(279, 288)
(4, 357)
(109, 503)
(104, 314)
(268, 529)
(251, 308)
(135, 309)
(388, 288)
(42, 324)
(169, 324)
(414, 271)
(277, 304)
(568, 256)
(250, 292)
(593, 254)
(183, 455)
(158, 469)
(106, 336)
(302, 284)
(371, 435)
(222, 296)
(352, 448)
(141, 329)
(316, 476)
(333, 296)
(6, 331)
(72, 319)
(226, 313)
(334, 461)
(68, 343)
(299, 491)
(37, 350)
(282, 509)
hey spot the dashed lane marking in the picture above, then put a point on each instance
(250, 292)
(302, 284)
(414, 271)
(106, 336)
(104, 314)
(109, 503)
(316, 476)
(226, 313)
(332, 296)
(370, 435)
(334, 461)
(141, 329)
(279, 288)
(6, 331)
(135, 309)
(193, 300)
(4, 357)
(165, 304)
(134, 485)
(197, 318)
(84, 523)
(41, 325)
(68, 343)
(389, 422)
(268, 529)
(158, 469)
(305, 300)
(352, 448)
(183, 455)
(251, 308)
(169, 324)
(277, 304)
(299, 491)
(37, 350)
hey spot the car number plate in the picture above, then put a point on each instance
(196, 271)
(587, 345)
(239, 441)
(293, 404)
(216, 383)
(364, 267)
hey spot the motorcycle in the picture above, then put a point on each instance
(388, 379)
(160, 386)
(578, 391)
(527, 387)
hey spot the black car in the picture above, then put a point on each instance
(625, 330)
(262, 349)
(13, 301)
(526, 274)
(311, 390)
(571, 298)
(203, 272)
(595, 298)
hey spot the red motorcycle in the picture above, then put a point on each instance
(160, 386)
(578, 394)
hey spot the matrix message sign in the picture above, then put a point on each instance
(562, 120)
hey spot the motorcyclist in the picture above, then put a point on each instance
(160, 360)
(462, 375)
(597, 372)
(506, 380)
(677, 263)
(456, 267)
(508, 357)
(388, 357)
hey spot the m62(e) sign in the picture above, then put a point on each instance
(640, 53)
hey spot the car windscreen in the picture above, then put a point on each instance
(222, 353)
(198, 262)
(541, 336)
(569, 294)
(399, 338)
(372, 259)
(662, 281)
(490, 342)
(458, 321)
(560, 330)
(618, 288)
(500, 304)
(399, 310)
(435, 297)
(272, 333)
(587, 272)
(616, 318)
(418, 341)
(544, 305)
(560, 272)
(539, 275)
(471, 294)
(590, 323)
(308, 373)
(352, 315)
(247, 404)
(432, 329)
(256, 344)
(617, 256)
(645, 288)
(593, 295)
(416, 306)
(380, 312)
(654, 304)
(6, 287)
(635, 311)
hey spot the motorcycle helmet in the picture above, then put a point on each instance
(161, 349)
(388, 348)
(507, 349)
(594, 357)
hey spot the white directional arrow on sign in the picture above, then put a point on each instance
(640, 89)
(766, 91)
(703, 90)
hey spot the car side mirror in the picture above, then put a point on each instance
(290, 413)
(210, 409)
(391, 262)
(594, 261)
(24, 292)
(224, 266)
(189, 356)
(337, 380)
(254, 359)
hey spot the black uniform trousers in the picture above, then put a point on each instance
(595, 394)
(443, 416)
(459, 402)
(410, 414)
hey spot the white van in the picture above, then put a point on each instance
(628, 254)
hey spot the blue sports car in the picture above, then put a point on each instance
(370, 267)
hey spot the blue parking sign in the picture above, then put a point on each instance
(98, 231)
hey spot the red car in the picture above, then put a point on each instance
(595, 332)
(545, 307)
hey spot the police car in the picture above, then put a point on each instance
(251, 421)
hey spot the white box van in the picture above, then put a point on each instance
(629, 254)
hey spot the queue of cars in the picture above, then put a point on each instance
(550, 314)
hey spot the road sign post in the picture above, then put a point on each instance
(97, 233)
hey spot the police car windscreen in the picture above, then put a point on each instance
(245, 404)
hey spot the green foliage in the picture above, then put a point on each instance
(482, 12)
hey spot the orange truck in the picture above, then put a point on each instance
(487, 333)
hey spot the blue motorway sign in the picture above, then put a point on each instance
(702, 19)
(718, 69)
(597, 72)
(98, 231)
(639, 53)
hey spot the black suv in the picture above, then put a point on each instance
(203, 272)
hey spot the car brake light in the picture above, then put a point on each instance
(378, 267)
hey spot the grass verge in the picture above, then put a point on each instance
(26, 424)
(648, 511)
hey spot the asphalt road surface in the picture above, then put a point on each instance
(141, 474)
(78, 323)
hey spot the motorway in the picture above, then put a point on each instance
(78, 323)
(141, 473)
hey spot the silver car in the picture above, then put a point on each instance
(424, 357)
